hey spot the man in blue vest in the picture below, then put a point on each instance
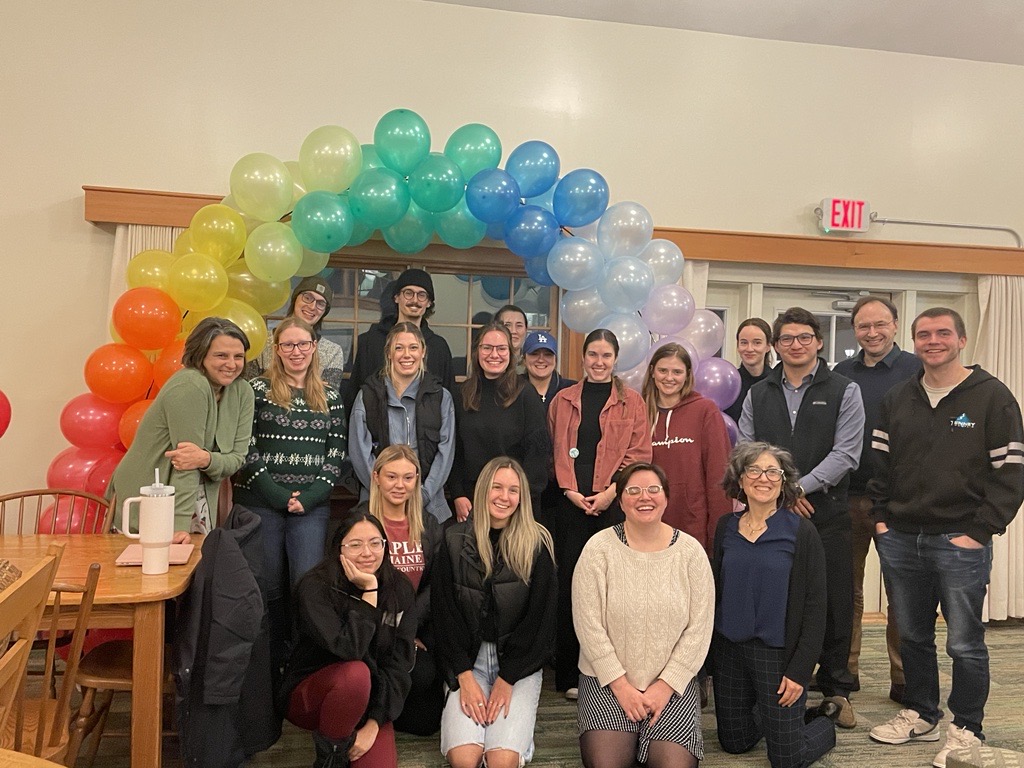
(950, 476)
(878, 367)
(818, 416)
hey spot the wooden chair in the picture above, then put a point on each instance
(73, 512)
(21, 609)
(42, 726)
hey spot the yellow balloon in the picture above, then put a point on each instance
(183, 244)
(150, 269)
(298, 185)
(250, 222)
(246, 318)
(197, 282)
(262, 186)
(264, 297)
(272, 252)
(330, 158)
(312, 263)
(218, 231)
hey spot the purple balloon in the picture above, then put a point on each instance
(669, 309)
(684, 343)
(718, 380)
(731, 428)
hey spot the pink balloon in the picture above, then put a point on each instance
(5, 413)
(89, 421)
(71, 467)
(718, 380)
(99, 476)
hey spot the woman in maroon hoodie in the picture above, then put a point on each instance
(689, 442)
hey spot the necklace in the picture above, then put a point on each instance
(751, 530)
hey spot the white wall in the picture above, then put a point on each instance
(706, 130)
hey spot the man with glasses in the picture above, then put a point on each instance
(950, 475)
(413, 297)
(818, 416)
(878, 367)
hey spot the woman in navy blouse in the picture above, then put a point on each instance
(769, 569)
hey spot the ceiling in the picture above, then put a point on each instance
(977, 30)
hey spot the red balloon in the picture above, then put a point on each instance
(99, 476)
(169, 362)
(91, 422)
(71, 515)
(5, 413)
(71, 467)
(118, 373)
(130, 420)
(146, 318)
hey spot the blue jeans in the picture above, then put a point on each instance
(923, 572)
(292, 544)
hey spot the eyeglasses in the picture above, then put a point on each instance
(375, 545)
(772, 473)
(302, 346)
(501, 349)
(635, 490)
(412, 293)
(881, 325)
(804, 339)
(308, 297)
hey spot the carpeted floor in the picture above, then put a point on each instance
(556, 743)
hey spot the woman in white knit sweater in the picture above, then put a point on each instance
(643, 606)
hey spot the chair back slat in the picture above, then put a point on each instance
(55, 511)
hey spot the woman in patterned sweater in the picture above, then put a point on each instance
(294, 461)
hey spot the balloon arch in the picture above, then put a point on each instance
(237, 257)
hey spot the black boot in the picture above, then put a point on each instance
(330, 753)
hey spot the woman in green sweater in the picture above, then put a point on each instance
(298, 444)
(196, 431)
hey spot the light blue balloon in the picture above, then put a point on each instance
(492, 195)
(459, 228)
(626, 284)
(322, 221)
(545, 200)
(534, 165)
(582, 310)
(412, 233)
(633, 336)
(580, 197)
(530, 231)
(575, 263)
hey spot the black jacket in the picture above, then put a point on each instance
(429, 399)
(222, 651)
(806, 601)
(335, 624)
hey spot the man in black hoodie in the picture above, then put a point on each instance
(950, 476)
(409, 299)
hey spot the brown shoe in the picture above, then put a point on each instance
(846, 718)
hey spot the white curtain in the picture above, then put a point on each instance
(130, 239)
(1000, 351)
(695, 280)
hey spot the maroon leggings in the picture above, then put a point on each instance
(332, 701)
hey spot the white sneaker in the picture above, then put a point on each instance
(906, 726)
(572, 694)
(956, 738)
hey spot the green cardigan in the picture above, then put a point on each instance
(186, 410)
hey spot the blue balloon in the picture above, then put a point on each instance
(531, 231)
(534, 165)
(495, 287)
(537, 270)
(496, 230)
(580, 197)
(492, 195)
(545, 200)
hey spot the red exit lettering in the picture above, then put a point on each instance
(847, 214)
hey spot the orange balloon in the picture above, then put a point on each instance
(118, 373)
(146, 318)
(168, 362)
(130, 421)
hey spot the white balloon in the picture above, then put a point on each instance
(626, 284)
(582, 310)
(633, 337)
(624, 229)
(665, 260)
(706, 332)
(575, 263)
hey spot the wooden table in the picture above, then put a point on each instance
(124, 598)
(11, 759)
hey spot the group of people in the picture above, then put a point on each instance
(521, 519)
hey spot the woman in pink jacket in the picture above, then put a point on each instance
(598, 426)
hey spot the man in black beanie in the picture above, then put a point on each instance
(412, 295)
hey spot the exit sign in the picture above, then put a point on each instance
(840, 214)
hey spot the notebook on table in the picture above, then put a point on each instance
(132, 555)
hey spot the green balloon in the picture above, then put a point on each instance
(370, 157)
(474, 148)
(412, 233)
(402, 140)
(459, 228)
(437, 183)
(378, 197)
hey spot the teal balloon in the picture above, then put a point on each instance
(474, 148)
(402, 140)
(437, 183)
(322, 221)
(370, 157)
(412, 233)
(459, 228)
(379, 197)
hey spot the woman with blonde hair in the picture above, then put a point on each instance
(413, 538)
(494, 592)
(294, 461)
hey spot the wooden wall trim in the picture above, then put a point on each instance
(175, 209)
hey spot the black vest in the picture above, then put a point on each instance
(472, 590)
(428, 417)
(813, 437)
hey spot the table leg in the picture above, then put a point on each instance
(147, 684)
